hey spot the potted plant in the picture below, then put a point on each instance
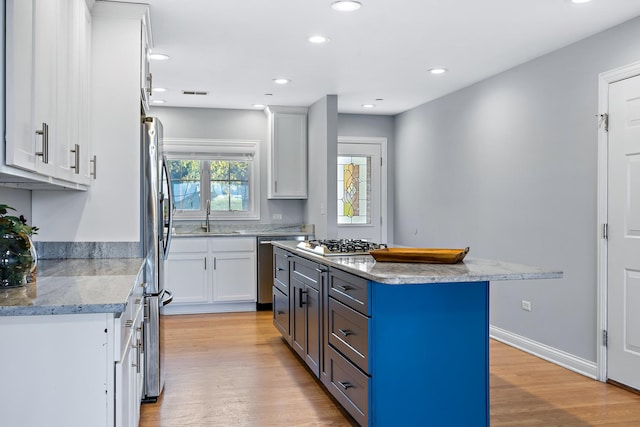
(17, 252)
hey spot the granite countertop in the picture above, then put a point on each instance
(72, 286)
(470, 270)
(194, 229)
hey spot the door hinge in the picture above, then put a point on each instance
(605, 231)
(603, 120)
(605, 338)
(380, 161)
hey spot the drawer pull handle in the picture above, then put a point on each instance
(280, 269)
(345, 332)
(345, 385)
(45, 143)
(128, 323)
(344, 288)
(321, 270)
(76, 158)
(300, 294)
(280, 312)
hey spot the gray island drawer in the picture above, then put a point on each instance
(349, 333)
(281, 270)
(350, 290)
(349, 386)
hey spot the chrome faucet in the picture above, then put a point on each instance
(206, 225)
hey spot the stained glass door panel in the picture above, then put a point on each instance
(359, 189)
(354, 190)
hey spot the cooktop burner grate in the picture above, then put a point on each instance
(340, 247)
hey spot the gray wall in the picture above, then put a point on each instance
(508, 167)
(375, 126)
(205, 123)
(20, 200)
(322, 203)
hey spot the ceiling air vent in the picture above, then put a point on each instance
(194, 92)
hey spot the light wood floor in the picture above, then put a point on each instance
(234, 370)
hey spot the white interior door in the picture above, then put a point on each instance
(361, 191)
(623, 277)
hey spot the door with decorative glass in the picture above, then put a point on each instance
(360, 191)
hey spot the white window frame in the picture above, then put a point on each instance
(219, 149)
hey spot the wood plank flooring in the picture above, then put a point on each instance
(234, 370)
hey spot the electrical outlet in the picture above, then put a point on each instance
(526, 305)
(277, 216)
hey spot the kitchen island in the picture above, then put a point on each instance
(394, 343)
(71, 345)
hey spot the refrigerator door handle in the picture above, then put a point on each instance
(168, 199)
(167, 297)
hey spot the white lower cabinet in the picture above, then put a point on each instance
(212, 274)
(62, 368)
(187, 272)
(233, 276)
(129, 372)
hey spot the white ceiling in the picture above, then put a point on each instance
(234, 48)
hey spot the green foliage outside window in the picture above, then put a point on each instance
(185, 183)
(228, 184)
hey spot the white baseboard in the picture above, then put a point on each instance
(208, 308)
(543, 351)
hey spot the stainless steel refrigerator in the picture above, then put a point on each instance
(156, 225)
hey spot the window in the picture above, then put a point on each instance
(354, 190)
(185, 184)
(222, 173)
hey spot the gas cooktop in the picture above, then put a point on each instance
(339, 247)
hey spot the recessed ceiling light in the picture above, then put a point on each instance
(259, 105)
(346, 5)
(281, 81)
(158, 101)
(317, 39)
(368, 105)
(159, 89)
(159, 56)
(438, 70)
(580, 1)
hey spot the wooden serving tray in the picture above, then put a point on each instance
(423, 255)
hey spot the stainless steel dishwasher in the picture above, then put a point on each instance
(265, 268)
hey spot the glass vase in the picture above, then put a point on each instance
(17, 259)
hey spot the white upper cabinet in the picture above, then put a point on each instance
(47, 57)
(74, 142)
(20, 64)
(287, 173)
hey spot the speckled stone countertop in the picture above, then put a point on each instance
(194, 229)
(74, 286)
(470, 270)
